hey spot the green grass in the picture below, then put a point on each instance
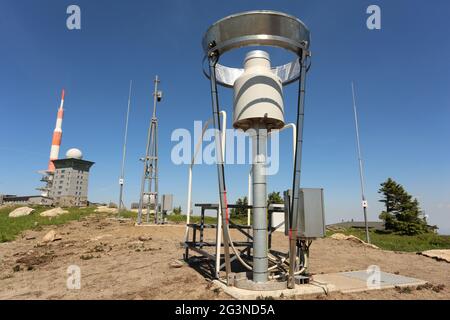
(395, 242)
(182, 218)
(11, 227)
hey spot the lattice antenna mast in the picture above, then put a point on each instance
(149, 183)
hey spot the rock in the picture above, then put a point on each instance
(144, 238)
(135, 244)
(21, 212)
(176, 264)
(51, 236)
(105, 209)
(53, 212)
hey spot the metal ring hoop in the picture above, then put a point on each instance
(256, 28)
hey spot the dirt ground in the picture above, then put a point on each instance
(120, 261)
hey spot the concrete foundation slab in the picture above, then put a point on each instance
(357, 281)
(344, 282)
(304, 289)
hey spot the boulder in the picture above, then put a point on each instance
(51, 236)
(21, 212)
(53, 212)
(176, 264)
(105, 209)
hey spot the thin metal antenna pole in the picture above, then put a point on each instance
(360, 161)
(122, 174)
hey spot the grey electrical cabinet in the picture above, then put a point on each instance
(167, 202)
(310, 215)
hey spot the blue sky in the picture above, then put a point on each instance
(402, 76)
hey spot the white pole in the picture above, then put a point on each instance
(189, 200)
(191, 166)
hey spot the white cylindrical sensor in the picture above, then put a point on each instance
(258, 94)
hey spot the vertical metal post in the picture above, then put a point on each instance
(260, 250)
(297, 171)
(360, 161)
(213, 58)
(150, 168)
(122, 174)
(144, 177)
(157, 217)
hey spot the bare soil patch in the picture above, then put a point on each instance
(121, 261)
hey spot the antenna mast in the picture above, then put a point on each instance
(122, 173)
(150, 174)
(361, 175)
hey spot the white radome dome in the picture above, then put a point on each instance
(74, 154)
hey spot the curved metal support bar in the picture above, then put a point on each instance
(294, 137)
(226, 76)
(197, 148)
(256, 28)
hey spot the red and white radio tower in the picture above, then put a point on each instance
(57, 136)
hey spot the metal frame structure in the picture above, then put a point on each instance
(197, 245)
(150, 173)
(258, 28)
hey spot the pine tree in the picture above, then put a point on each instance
(275, 198)
(402, 214)
(240, 211)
